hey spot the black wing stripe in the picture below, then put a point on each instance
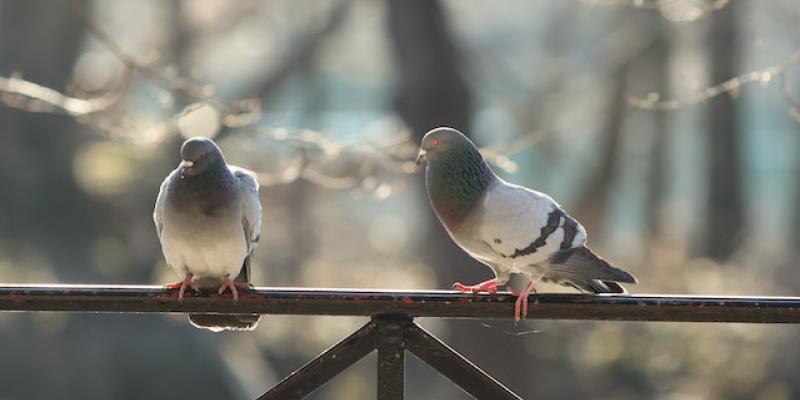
(553, 219)
(570, 230)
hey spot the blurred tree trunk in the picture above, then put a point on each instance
(45, 215)
(182, 37)
(725, 205)
(180, 47)
(592, 207)
(659, 159)
(40, 199)
(431, 92)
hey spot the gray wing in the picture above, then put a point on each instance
(158, 211)
(251, 215)
(579, 267)
(524, 226)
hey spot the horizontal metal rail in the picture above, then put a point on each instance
(357, 302)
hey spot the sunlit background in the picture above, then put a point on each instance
(668, 127)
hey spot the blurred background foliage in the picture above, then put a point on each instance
(669, 127)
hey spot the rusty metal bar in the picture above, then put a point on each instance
(390, 342)
(327, 365)
(455, 367)
(446, 304)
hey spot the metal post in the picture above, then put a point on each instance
(327, 365)
(390, 342)
(455, 367)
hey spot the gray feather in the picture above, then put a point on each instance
(580, 268)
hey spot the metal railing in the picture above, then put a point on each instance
(392, 330)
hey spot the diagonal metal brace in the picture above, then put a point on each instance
(326, 366)
(455, 367)
(391, 335)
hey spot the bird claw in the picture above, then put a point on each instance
(489, 286)
(182, 285)
(233, 286)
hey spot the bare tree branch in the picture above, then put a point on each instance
(21, 94)
(731, 86)
(305, 51)
(673, 10)
(237, 113)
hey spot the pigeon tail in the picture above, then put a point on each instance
(580, 268)
(228, 322)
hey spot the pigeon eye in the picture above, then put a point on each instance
(201, 156)
(434, 142)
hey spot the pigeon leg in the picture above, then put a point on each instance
(228, 284)
(182, 285)
(489, 286)
(242, 285)
(521, 305)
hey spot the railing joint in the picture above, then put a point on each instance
(391, 328)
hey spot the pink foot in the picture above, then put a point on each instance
(489, 286)
(521, 305)
(233, 286)
(182, 285)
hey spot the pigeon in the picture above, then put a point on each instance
(509, 228)
(208, 220)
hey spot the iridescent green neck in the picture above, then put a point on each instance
(456, 182)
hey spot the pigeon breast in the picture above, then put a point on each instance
(202, 231)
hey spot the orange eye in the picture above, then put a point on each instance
(434, 142)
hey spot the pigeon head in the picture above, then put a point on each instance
(441, 143)
(198, 155)
(456, 177)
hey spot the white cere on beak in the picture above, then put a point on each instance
(421, 156)
(186, 164)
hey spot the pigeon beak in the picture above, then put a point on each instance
(186, 164)
(421, 156)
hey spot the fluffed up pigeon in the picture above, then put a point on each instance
(208, 219)
(510, 228)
